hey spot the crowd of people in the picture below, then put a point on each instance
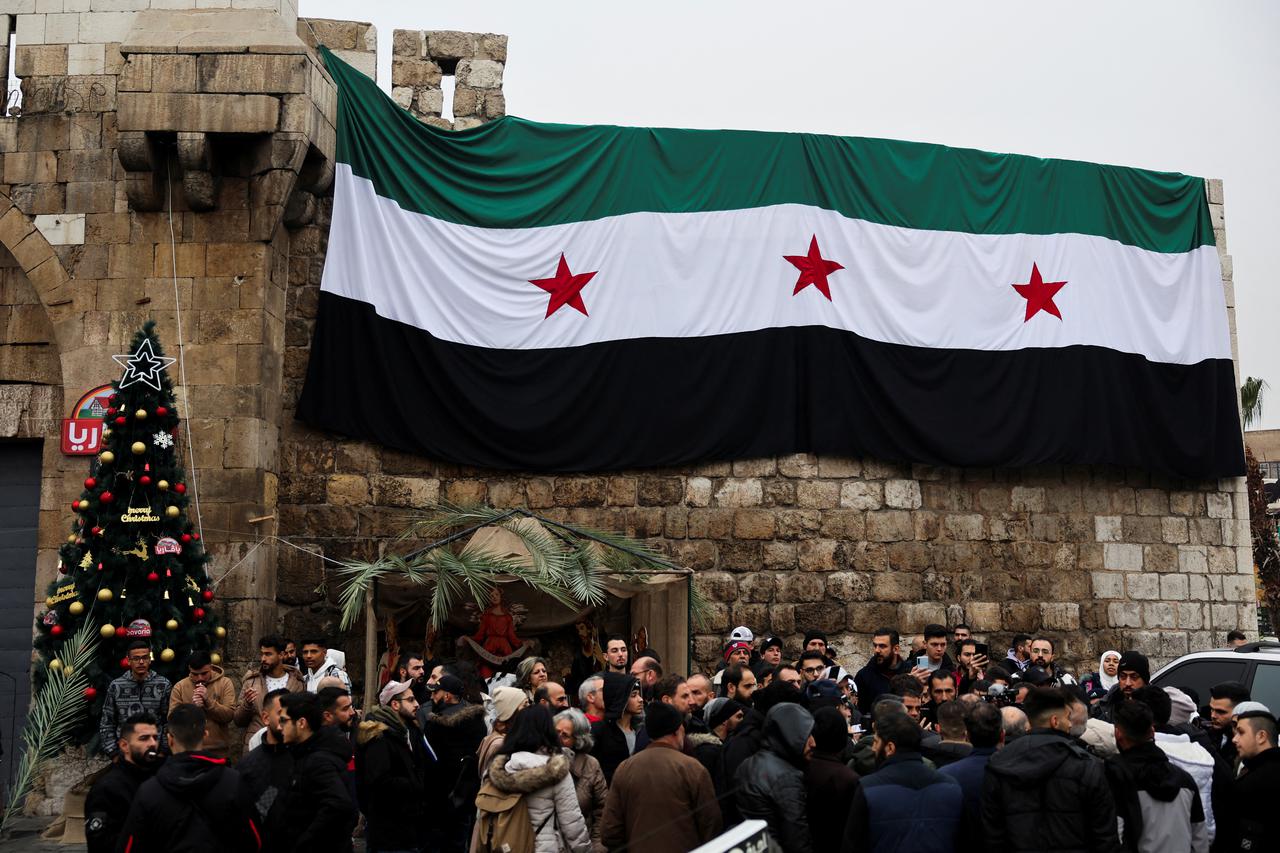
(932, 745)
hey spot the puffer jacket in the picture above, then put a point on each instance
(904, 806)
(550, 797)
(589, 785)
(771, 782)
(1044, 792)
(1200, 766)
(1157, 802)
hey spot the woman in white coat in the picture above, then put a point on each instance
(532, 763)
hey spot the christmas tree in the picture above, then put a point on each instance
(133, 564)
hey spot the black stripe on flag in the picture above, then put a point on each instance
(668, 401)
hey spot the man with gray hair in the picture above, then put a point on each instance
(1015, 724)
(591, 698)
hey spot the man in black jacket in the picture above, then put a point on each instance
(619, 735)
(392, 762)
(193, 803)
(771, 782)
(886, 661)
(1255, 790)
(1045, 787)
(137, 757)
(454, 731)
(318, 812)
(266, 773)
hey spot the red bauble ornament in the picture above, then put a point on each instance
(161, 411)
(106, 497)
(207, 595)
(153, 577)
(197, 614)
(90, 483)
(90, 693)
(75, 506)
(180, 488)
(144, 480)
(186, 537)
(56, 630)
(111, 410)
(62, 568)
(124, 663)
(95, 530)
(195, 536)
(121, 420)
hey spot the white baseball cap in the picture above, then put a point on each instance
(742, 634)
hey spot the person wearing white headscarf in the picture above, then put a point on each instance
(1098, 683)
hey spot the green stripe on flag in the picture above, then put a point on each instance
(513, 173)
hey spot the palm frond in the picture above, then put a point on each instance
(1251, 400)
(56, 712)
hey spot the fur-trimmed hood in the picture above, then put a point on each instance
(530, 772)
(697, 740)
(380, 721)
(457, 715)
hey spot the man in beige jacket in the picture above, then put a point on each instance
(272, 674)
(207, 688)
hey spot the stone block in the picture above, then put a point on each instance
(42, 60)
(1193, 558)
(753, 524)
(697, 491)
(738, 493)
(982, 615)
(1174, 587)
(1160, 558)
(206, 112)
(232, 73)
(800, 587)
(1108, 528)
(406, 43)
(964, 526)
(858, 494)
(757, 587)
(480, 73)
(430, 102)
(718, 586)
(403, 96)
(914, 616)
(798, 465)
(849, 586)
(1060, 616)
(896, 586)
(1218, 505)
(779, 555)
(29, 167)
(1153, 502)
(1173, 530)
(890, 526)
(449, 44)
(865, 617)
(86, 59)
(491, 46)
(765, 467)
(1124, 614)
(1159, 615)
(1239, 588)
(1122, 557)
(1108, 585)
(902, 494)
(819, 494)
(1222, 560)
(1143, 585)
(415, 73)
(818, 555)
(1027, 499)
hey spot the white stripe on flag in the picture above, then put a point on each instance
(665, 275)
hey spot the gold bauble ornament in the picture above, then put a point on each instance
(138, 448)
(215, 659)
(141, 414)
(107, 631)
(171, 625)
(220, 632)
(84, 504)
(106, 433)
(172, 512)
(163, 485)
(55, 664)
(71, 540)
(76, 608)
(104, 594)
(167, 655)
(106, 457)
(67, 671)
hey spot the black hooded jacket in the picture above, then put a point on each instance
(193, 804)
(265, 776)
(1255, 794)
(454, 733)
(1145, 768)
(611, 742)
(108, 803)
(319, 810)
(392, 764)
(771, 782)
(1044, 792)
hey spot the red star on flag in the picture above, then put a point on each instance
(814, 269)
(565, 288)
(1039, 294)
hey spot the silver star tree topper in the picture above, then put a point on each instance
(143, 366)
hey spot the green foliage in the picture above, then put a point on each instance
(569, 564)
(54, 714)
(105, 552)
(1251, 400)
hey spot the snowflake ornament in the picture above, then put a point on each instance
(163, 440)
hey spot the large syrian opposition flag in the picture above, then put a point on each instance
(552, 297)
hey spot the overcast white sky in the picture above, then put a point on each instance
(1192, 87)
